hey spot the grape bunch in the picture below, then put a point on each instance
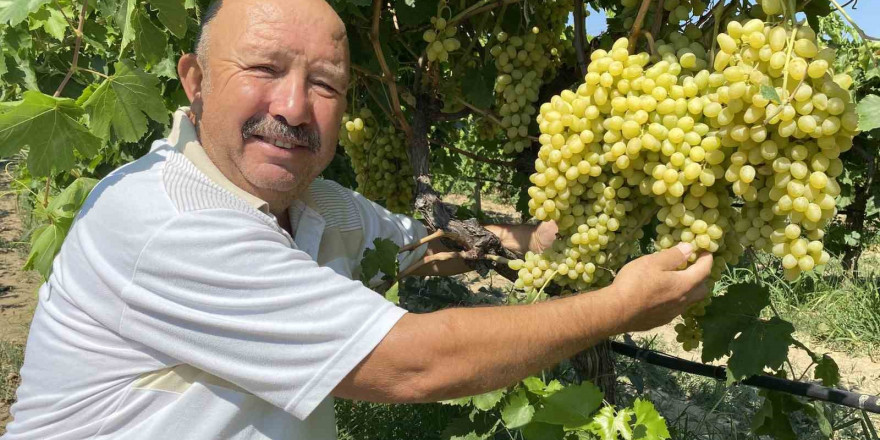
(378, 156)
(677, 10)
(682, 139)
(523, 61)
(786, 118)
(441, 39)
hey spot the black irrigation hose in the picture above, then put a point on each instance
(818, 392)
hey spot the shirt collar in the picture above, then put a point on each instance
(183, 138)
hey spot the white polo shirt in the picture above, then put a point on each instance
(179, 309)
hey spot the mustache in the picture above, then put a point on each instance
(273, 128)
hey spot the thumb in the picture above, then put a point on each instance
(674, 258)
(700, 270)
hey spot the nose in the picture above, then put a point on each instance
(290, 102)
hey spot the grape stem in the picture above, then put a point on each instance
(387, 76)
(474, 156)
(478, 8)
(651, 45)
(76, 45)
(428, 238)
(658, 18)
(784, 103)
(487, 114)
(580, 36)
(637, 26)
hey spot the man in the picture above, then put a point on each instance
(204, 291)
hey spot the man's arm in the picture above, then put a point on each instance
(459, 352)
(518, 238)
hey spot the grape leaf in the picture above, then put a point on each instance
(769, 93)
(393, 293)
(816, 409)
(414, 13)
(172, 14)
(51, 21)
(869, 112)
(45, 243)
(487, 401)
(49, 126)
(827, 371)
(123, 102)
(649, 425)
(63, 208)
(149, 43)
(542, 431)
(517, 412)
(772, 418)
(571, 406)
(534, 384)
(608, 425)
(382, 257)
(477, 427)
(13, 12)
(124, 21)
(477, 89)
(730, 314)
(762, 344)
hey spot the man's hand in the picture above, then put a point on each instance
(652, 290)
(543, 236)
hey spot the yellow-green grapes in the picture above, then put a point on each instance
(522, 62)
(682, 138)
(441, 39)
(378, 156)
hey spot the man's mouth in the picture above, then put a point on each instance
(276, 142)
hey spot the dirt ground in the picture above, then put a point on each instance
(18, 299)
(18, 289)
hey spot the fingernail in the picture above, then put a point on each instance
(685, 248)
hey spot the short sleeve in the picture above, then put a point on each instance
(224, 292)
(401, 229)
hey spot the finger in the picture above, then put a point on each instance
(673, 258)
(699, 270)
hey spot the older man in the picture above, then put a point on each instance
(205, 290)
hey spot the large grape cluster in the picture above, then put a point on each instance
(378, 156)
(523, 61)
(764, 127)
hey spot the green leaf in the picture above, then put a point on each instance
(608, 424)
(730, 314)
(869, 112)
(383, 257)
(478, 85)
(476, 427)
(51, 20)
(49, 126)
(769, 93)
(827, 371)
(172, 14)
(571, 406)
(462, 401)
(762, 344)
(393, 293)
(542, 431)
(772, 420)
(13, 12)
(534, 384)
(414, 13)
(123, 102)
(150, 41)
(124, 21)
(517, 411)
(487, 401)
(816, 410)
(63, 208)
(45, 243)
(649, 424)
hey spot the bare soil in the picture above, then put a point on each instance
(18, 289)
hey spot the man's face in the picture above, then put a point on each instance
(274, 92)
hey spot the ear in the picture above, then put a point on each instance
(190, 73)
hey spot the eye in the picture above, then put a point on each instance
(265, 68)
(325, 86)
